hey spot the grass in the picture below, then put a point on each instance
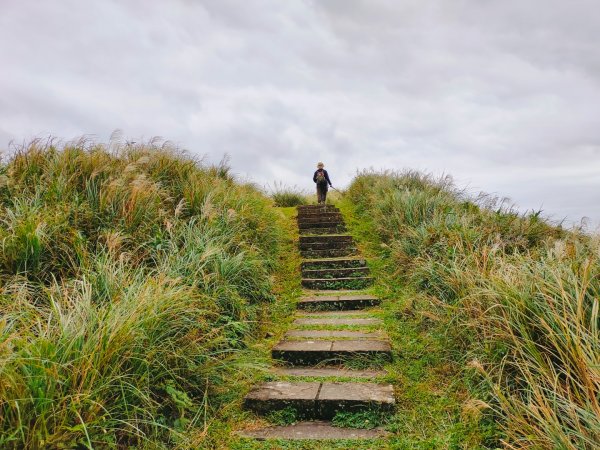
(132, 281)
(285, 196)
(141, 292)
(506, 304)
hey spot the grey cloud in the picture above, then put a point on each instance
(503, 95)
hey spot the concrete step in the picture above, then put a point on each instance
(308, 352)
(337, 322)
(338, 302)
(327, 372)
(333, 263)
(335, 334)
(316, 431)
(329, 253)
(323, 230)
(347, 272)
(337, 283)
(315, 400)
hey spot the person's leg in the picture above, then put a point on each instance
(325, 189)
(321, 192)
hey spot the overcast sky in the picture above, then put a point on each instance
(502, 95)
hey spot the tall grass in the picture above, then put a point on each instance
(286, 196)
(520, 296)
(128, 277)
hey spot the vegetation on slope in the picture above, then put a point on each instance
(130, 277)
(517, 296)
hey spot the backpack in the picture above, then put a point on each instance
(321, 180)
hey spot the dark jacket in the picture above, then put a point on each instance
(324, 173)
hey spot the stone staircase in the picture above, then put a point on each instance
(335, 343)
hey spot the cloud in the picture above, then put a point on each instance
(505, 96)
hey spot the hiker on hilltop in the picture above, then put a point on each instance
(321, 178)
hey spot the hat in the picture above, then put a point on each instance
(320, 164)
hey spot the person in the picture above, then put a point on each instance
(321, 178)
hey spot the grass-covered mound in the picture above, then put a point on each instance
(128, 276)
(517, 296)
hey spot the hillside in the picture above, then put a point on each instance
(142, 294)
(130, 279)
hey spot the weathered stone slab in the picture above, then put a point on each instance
(323, 230)
(346, 272)
(329, 253)
(329, 223)
(337, 283)
(277, 395)
(328, 372)
(303, 352)
(355, 297)
(316, 207)
(338, 322)
(333, 263)
(326, 238)
(324, 334)
(320, 217)
(312, 431)
(340, 396)
(319, 400)
(306, 352)
(329, 314)
(365, 346)
(337, 302)
(324, 245)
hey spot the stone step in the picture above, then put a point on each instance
(335, 313)
(327, 206)
(337, 322)
(327, 372)
(335, 334)
(317, 222)
(337, 283)
(308, 352)
(321, 224)
(347, 272)
(329, 253)
(326, 238)
(324, 245)
(354, 313)
(317, 214)
(317, 211)
(333, 263)
(315, 400)
(317, 431)
(322, 230)
(340, 302)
